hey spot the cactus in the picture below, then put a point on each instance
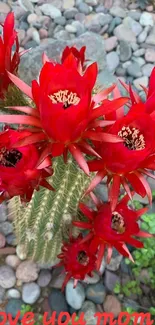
(42, 224)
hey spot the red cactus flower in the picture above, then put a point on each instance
(109, 228)
(8, 62)
(79, 55)
(127, 162)
(77, 260)
(18, 172)
(65, 110)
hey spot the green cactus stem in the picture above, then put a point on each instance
(42, 224)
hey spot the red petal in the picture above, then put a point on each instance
(101, 136)
(91, 74)
(46, 152)
(84, 145)
(37, 137)
(94, 198)
(114, 192)
(109, 107)
(85, 210)
(100, 256)
(96, 165)
(103, 94)
(137, 97)
(21, 85)
(126, 187)
(96, 180)
(109, 254)
(45, 58)
(44, 183)
(24, 109)
(83, 225)
(76, 153)
(145, 185)
(57, 149)
(142, 211)
(20, 119)
(144, 234)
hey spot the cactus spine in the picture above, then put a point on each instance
(42, 224)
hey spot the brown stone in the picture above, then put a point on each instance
(112, 305)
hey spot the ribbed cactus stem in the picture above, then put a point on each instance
(42, 224)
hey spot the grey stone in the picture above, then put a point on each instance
(139, 60)
(135, 27)
(6, 228)
(142, 36)
(141, 81)
(13, 307)
(115, 22)
(70, 13)
(44, 278)
(13, 261)
(120, 71)
(112, 59)
(30, 44)
(89, 309)
(123, 33)
(139, 52)
(62, 35)
(57, 302)
(92, 2)
(71, 29)
(84, 8)
(13, 293)
(110, 280)
(146, 19)
(3, 212)
(103, 19)
(134, 46)
(92, 279)
(27, 271)
(114, 262)
(60, 20)
(2, 240)
(2, 294)
(7, 277)
(30, 293)
(31, 63)
(11, 240)
(75, 296)
(100, 8)
(151, 37)
(124, 51)
(117, 11)
(147, 69)
(50, 10)
(96, 293)
(134, 70)
(134, 14)
(80, 29)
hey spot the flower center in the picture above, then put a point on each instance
(117, 223)
(133, 139)
(9, 158)
(83, 258)
(66, 97)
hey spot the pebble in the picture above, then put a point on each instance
(27, 271)
(30, 44)
(13, 307)
(139, 60)
(151, 37)
(112, 305)
(134, 46)
(110, 280)
(70, 13)
(125, 34)
(110, 43)
(75, 296)
(84, 8)
(117, 11)
(2, 240)
(58, 277)
(142, 36)
(92, 279)
(44, 278)
(32, 18)
(43, 33)
(92, 2)
(124, 51)
(11, 240)
(147, 69)
(115, 22)
(6, 228)
(7, 277)
(89, 309)
(134, 14)
(141, 81)
(112, 59)
(139, 52)
(120, 71)
(96, 293)
(49, 10)
(70, 29)
(100, 8)
(80, 29)
(20, 251)
(57, 301)
(2, 294)
(62, 35)
(150, 55)
(146, 19)
(103, 19)
(3, 212)
(135, 27)
(30, 292)
(134, 70)
(4, 8)
(13, 293)
(67, 4)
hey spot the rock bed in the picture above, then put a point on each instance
(123, 40)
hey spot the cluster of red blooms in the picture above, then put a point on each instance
(69, 116)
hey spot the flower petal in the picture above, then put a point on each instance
(76, 152)
(96, 180)
(21, 85)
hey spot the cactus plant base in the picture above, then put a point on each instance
(42, 224)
